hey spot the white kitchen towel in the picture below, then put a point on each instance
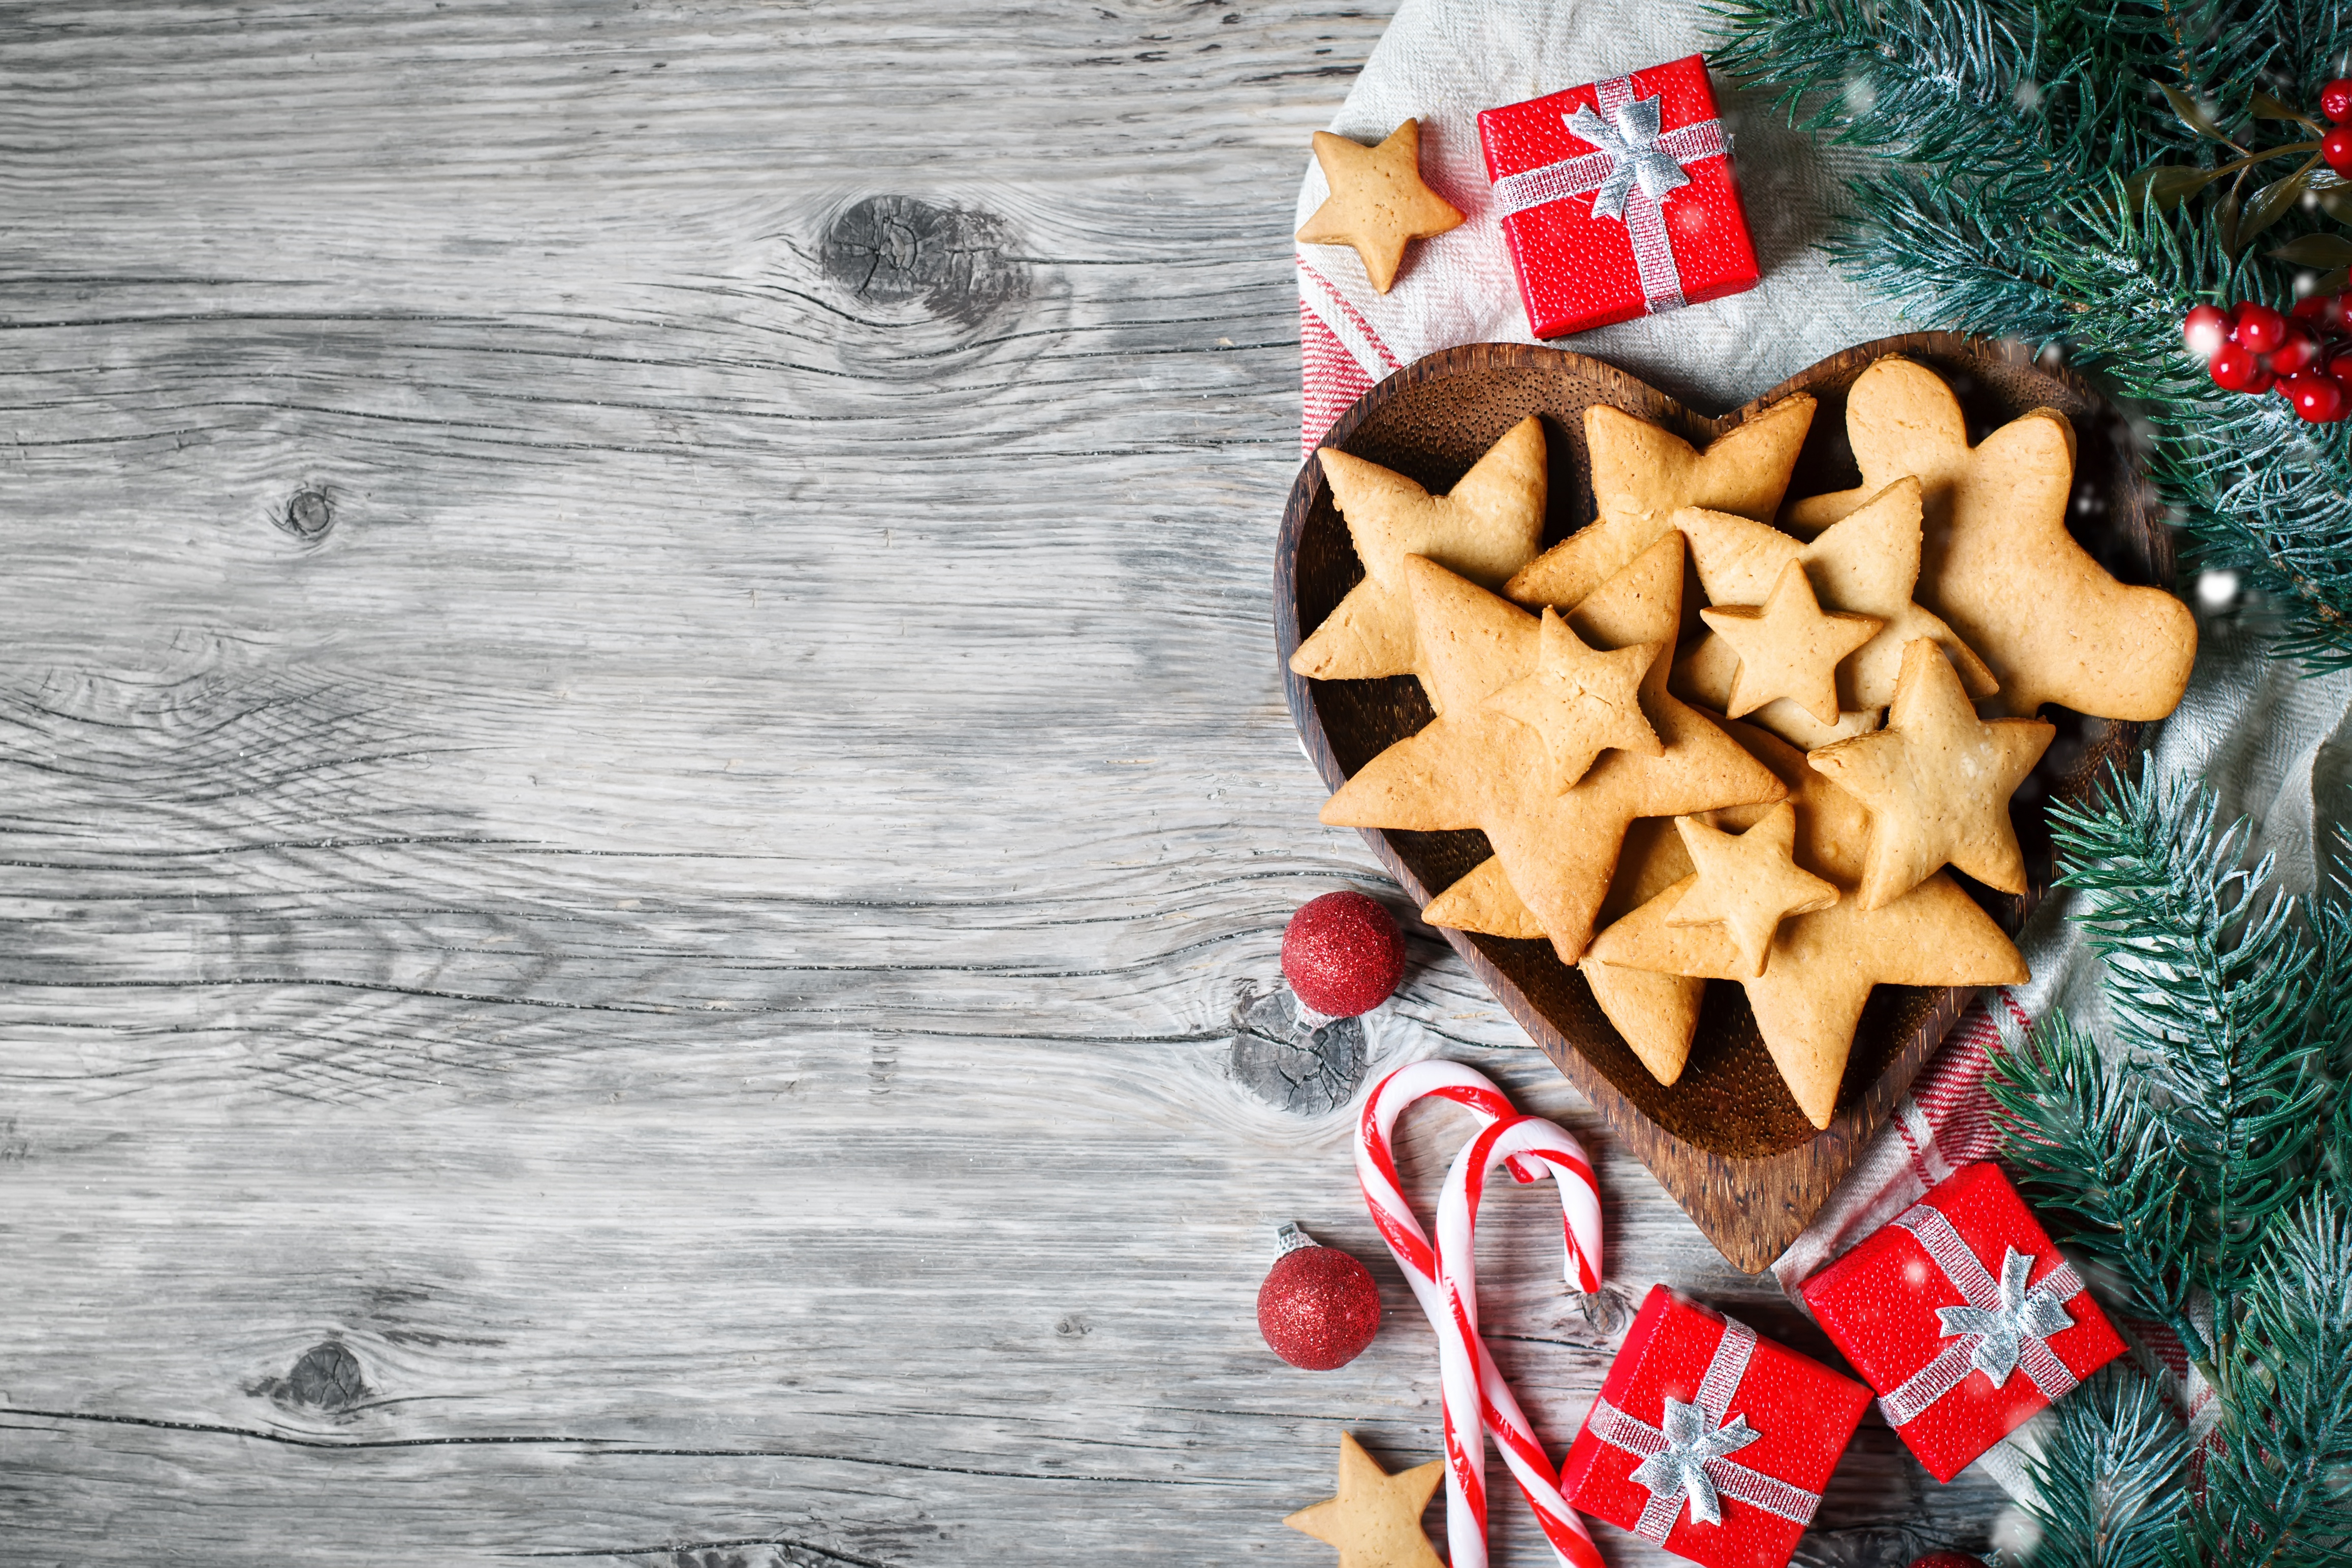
(2274, 745)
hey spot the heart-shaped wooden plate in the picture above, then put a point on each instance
(1726, 1140)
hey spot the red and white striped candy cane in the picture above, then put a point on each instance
(1467, 1373)
(1498, 1409)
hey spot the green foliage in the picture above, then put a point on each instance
(2112, 1477)
(2197, 1158)
(2020, 199)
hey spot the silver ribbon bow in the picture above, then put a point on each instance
(2001, 1331)
(1684, 1461)
(1679, 1469)
(2005, 1327)
(1635, 157)
(1632, 155)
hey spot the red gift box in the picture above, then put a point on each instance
(1963, 1317)
(1709, 1440)
(1617, 199)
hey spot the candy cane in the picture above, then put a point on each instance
(1498, 1409)
(1466, 1376)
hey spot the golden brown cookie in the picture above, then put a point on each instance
(1866, 564)
(1642, 476)
(1936, 780)
(1485, 528)
(1581, 701)
(1808, 1000)
(1749, 882)
(1998, 564)
(1375, 1521)
(1483, 900)
(1482, 768)
(1378, 203)
(1789, 647)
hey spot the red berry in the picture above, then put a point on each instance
(2340, 367)
(1342, 953)
(1318, 1307)
(2236, 369)
(2335, 99)
(2323, 313)
(2336, 148)
(2318, 399)
(2300, 353)
(2259, 328)
(2206, 328)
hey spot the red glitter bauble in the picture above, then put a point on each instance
(1947, 1560)
(1342, 953)
(1318, 1308)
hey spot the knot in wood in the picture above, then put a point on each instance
(327, 1377)
(1309, 1072)
(953, 259)
(308, 515)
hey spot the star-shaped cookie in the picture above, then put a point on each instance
(1808, 1000)
(1378, 202)
(1748, 884)
(1642, 476)
(1581, 701)
(1656, 1015)
(1998, 562)
(1936, 780)
(1789, 647)
(1481, 768)
(1375, 1521)
(1866, 564)
(1485, 528)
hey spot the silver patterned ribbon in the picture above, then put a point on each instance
(2005, 1327)
(1684, 1462)
(1629, 178)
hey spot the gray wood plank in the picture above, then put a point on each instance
(643, 779)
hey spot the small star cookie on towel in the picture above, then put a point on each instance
(2000, 564)
(1808, 1000)
(1485, 528)
(1378, 203)
(1936, 780)
(1748, 884)
(1789, 647)
(1375, 1521)
(1642, 476)
(1481, 768)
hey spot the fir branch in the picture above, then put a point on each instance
(2110, 1477)
(2210, 982)
(2099, 1164)
(2279, 1492)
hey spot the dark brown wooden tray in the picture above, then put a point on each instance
(1726, 1140)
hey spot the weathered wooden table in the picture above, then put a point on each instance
(643, 784)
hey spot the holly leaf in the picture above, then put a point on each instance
(2225, 217)
(2333, 282)
(2265, 107)
(2336, 201)
(2316, 251)
(2272, 203)
(2192, 115)
(2166, 185)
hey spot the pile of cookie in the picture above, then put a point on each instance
(1769, 790)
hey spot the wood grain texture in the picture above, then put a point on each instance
(1726, 1139)
(643, 777)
